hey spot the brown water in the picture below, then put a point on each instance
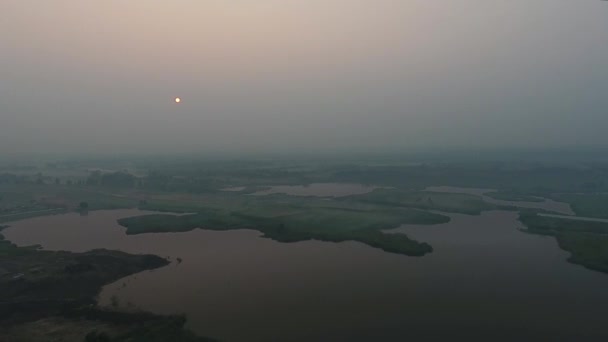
(485, 280)
(319, 190)
(547, 204)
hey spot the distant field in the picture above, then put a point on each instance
(589, 205)
(513, 196)
(30, 214)
(440, 201)
(16, 198)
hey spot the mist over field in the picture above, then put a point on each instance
(101, 76)
(303, 170)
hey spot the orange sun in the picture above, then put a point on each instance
(178, 100)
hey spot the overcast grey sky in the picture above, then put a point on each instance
(279, 75)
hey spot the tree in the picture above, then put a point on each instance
(281, 229)
(118, 180)
(94, 178)
(83, 206)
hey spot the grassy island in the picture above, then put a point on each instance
(301, 224)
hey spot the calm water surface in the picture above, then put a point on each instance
(485, 279)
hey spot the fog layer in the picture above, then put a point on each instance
(287, 75)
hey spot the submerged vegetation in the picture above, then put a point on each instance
(586, 241)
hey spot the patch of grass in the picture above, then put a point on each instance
(26, 215)
(20, 201)
(586, 241)
(513, 196)
(589, 250)
(589, 205)
(300, 224)
(447, 202)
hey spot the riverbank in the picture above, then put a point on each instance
(586, 240)
(44, 292)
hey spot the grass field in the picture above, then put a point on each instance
(289, 223)
(588, 205)
(15, 198)
(440, 201)
(513, 196)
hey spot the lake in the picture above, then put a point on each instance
(484, 280)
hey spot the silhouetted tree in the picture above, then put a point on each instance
(83, 206)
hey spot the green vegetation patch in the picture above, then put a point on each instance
(301, 224)
(32, 214)
(513, 196)
(447, 202)
(589, 205)
(21, 201)
(587, 241)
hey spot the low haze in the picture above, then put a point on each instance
(303, 170)
(91, 76)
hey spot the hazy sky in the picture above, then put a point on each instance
(278, 75)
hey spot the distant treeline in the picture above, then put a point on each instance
(521, 178)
